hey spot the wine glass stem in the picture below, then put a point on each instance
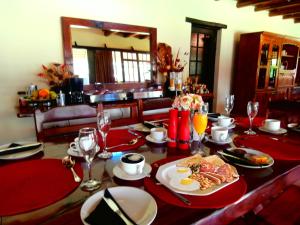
(90, 170)
(104, 143)
(251, 119)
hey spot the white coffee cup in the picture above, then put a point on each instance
(225, 121)
(271, 124)
(158, 133)
(75, 145)
(132, 163)
(219, 133)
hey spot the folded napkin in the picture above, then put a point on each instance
(150, 124)
(103, 215)
(15, 148)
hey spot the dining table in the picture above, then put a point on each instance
(33, 194)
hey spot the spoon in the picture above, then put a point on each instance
(131, 142)
(69, 163)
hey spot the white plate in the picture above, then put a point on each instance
(139, 205)
(22, 154)
(149, 138)
(139, 127)
(231, 126)
(77, 153)
(252, 151)
(280, 131)
(162, 177)
(227, 141)
(118, 172)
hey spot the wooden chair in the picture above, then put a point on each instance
(63, 123)
(276, 204)
(154, 109)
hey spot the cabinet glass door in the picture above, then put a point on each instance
(273, 66)
(262, 70)
(264, 54)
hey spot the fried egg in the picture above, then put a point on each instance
(185, 184)
(179, 172)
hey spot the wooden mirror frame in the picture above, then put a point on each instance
(67, 40)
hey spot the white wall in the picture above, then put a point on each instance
(31, 36)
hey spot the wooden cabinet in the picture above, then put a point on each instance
(266, 69)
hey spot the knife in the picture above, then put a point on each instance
(20, 148)
(183, 199)
(109, 199)
(135, 134)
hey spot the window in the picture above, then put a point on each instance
(135, 66)
(196, 58)
(81, 64)
(128, 66)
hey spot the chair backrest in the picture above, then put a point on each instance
(63, 121)
(154, 109)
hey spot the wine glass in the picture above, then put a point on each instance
(229, 102)
(252, 109)
(87, 140)
(104, 122)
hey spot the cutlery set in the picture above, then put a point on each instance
(15, 148)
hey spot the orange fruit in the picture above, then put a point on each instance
(43, 93)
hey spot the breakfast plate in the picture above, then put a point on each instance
(150, 139)
(139, 205)
(254, 152)
(231, 126)
(119, 173)
(21, 154)
(168, 175)
(227, 141)
(280, 131)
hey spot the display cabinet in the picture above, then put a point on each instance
(266, 69)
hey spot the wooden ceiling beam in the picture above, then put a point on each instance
(243, 3)
(297, 20)
(285, 11)
(290, 16)
(277, 5)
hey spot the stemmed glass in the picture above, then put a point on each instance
(252, 109)
(199, 127)
(229, 102)
(87, 145)
(104, 122)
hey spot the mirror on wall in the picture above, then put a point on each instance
(104, 52)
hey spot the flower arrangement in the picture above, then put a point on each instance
(55, 73)
(165, 62)
(190, 102)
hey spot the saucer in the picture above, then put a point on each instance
(231, 126)
(227, 141)
(77, 153)
(280, 131)
(150, 139)
(118, 172)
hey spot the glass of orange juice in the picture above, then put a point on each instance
(200, 122)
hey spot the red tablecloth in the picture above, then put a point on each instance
(219, 199)
(30, 185)
(116, 137)
(279, 148)
(245, 123)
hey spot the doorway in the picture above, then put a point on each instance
(203, 48)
